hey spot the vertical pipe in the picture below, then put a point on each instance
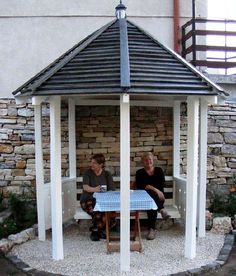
(176, 152)
(176, 25)
(72, 138)
(192, 177)
(39, 173)
(55, 172)
(124, 182)
(202, 169)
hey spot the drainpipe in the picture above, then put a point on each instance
(176, 25)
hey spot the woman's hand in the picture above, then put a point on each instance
(97, 189)
(90, 189)
(155, 190)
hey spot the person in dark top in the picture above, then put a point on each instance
(152, 179)
(93, 179)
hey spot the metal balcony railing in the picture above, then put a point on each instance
(210, 45)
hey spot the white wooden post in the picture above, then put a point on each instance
(55, 168)
(125, 182)
(192, 177)
(202, 169)
(176, 143)
(39, 172)
(72, 137)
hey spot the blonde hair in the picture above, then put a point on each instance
(147, 154)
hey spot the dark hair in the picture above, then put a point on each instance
(100, 158)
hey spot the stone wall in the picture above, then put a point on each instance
(221, 155)
(221, 148)
(17, 147)
(98, 131)
(17, 172)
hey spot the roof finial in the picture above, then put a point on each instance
(120, 10)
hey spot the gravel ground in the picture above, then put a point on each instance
(163, 256)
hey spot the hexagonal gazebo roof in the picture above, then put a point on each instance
(115, 59)
(122, 60)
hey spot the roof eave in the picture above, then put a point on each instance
(60, 62)
(219, 89)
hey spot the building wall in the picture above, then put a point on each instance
(34, 33)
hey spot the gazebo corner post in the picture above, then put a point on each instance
(125, 182)
(176, 139)
(39, 171)
(201, 221)
(72, 153)
(192, 176)
(176, 147)
(72, 138)
(55, 172)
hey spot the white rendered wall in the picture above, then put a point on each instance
(34, 33)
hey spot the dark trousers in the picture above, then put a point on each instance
(152, 214)
(98, 218)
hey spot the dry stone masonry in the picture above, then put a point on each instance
(98, 131)
(17, 147)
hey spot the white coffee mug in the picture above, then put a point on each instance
(103, 188)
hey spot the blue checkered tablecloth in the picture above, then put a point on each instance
(110, 201)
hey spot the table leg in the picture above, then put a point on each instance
(136, 245)
(139, 233)
(107, 229)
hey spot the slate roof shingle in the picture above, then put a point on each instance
(93, 67)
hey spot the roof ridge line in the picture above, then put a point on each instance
(58, 64)
(124, 55)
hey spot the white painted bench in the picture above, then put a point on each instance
(169, 204)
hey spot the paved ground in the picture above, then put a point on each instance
(229, 269)
(8, 269)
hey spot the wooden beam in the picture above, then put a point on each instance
(37, 100)
(124, 182)
(39, 172)
(91, 102)
(21, 99)
(56, 185)
(192, 177)
(210, 99)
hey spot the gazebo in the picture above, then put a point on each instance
(120, 64)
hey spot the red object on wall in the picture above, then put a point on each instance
(176, 25)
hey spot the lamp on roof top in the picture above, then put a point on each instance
(120, 11)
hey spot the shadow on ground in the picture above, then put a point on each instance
(8, 269)
(228, 269)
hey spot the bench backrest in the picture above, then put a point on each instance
(169, 189)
